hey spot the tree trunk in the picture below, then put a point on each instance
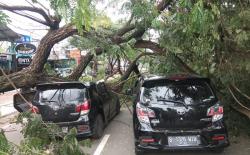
(77, 72)
(33, 74)
(46, 44)
(25, 79)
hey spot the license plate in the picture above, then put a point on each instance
(184, 140)
(65, 129)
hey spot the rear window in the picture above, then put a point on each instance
(67, 96)
(188, 92)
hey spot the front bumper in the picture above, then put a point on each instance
(161, 140)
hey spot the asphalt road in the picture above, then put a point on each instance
(118, 139)
(121, 141)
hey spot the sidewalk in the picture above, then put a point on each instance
(12, 130)
(7, 97)
(6, 103)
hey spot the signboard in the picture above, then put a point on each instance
(23, 61)
(25, 49)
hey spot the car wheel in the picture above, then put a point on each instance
(98, 127)
(118, 107)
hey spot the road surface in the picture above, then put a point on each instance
(118, 140)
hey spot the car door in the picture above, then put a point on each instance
(113, 101)
(105, 99)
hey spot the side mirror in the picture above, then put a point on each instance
(128, 92)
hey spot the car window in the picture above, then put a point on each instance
(189, 93)
(72, 95)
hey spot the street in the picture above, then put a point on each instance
(118, 139)
(121, 140)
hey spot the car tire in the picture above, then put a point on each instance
(98, 127)
(118, 107)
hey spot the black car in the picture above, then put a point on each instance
(88, 107)
(178, 112)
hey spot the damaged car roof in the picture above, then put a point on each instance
(69, 84)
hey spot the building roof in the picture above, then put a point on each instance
(6, 34)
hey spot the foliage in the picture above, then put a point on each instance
(213, 38)
(5, 147)
(4, 19)
(144, 12)
(49, 70)
(77, 12)
(42, 138)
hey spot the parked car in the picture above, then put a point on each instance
(86, 106)
(178, 112)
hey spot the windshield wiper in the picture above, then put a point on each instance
(165, 100)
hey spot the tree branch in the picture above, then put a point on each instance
(32, 18)
(156, 48)
(49, 22)
(48, 41)
(149, 45)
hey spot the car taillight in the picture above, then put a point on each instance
(218, 138)
(147, 140)
(34, 109)
(216, 112)
(144, 113)
(83, 108)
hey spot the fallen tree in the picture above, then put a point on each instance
(33, 74)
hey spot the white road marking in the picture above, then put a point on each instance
(100, 147)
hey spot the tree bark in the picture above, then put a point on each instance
(77, 72)
(46, 44)
(25, 79)
(156, 48)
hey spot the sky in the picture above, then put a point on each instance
(26, 26)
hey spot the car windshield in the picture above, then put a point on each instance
(175, 92)
(66, 96)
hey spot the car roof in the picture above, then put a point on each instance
(175, 77)
(66, 83)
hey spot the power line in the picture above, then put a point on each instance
(28, 29)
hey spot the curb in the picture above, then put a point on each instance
(6, 115)
(7, 105)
